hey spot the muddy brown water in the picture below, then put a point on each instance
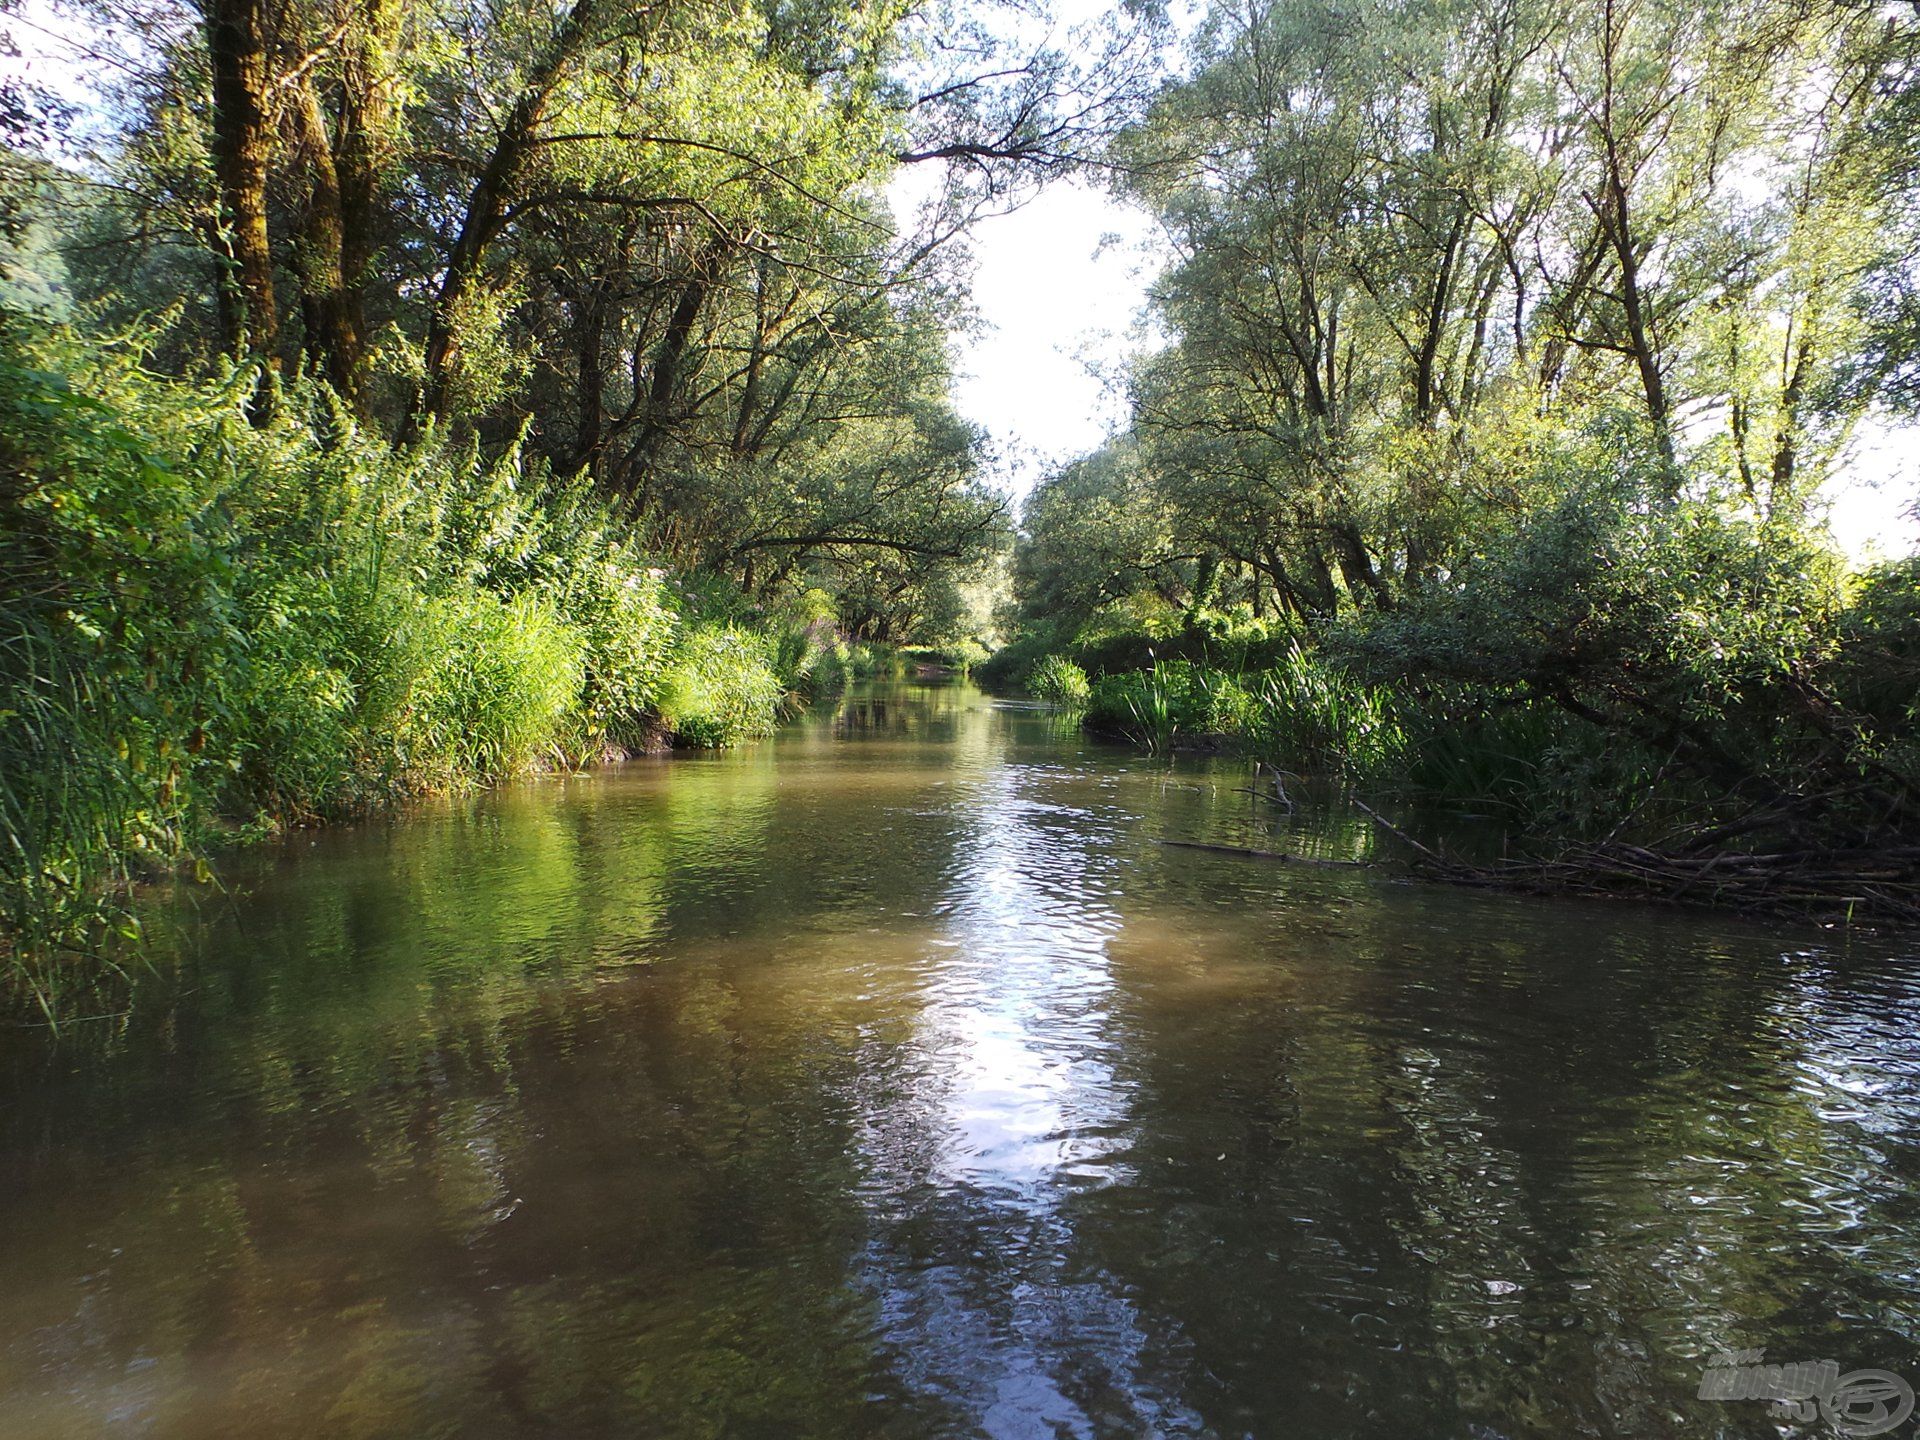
(888, 1079)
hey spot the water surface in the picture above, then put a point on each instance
(889, 1079)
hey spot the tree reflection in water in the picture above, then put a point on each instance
(888, 1080)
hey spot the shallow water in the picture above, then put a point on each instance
(889, 1079)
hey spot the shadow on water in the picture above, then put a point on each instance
(888, 1079)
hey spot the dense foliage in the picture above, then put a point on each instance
(648, 243)
(397, 396)
(217, 622)
(1511, 349)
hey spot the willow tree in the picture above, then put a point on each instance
(652, 238)
(1417, 239)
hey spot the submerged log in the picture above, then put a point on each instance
(1281, 855)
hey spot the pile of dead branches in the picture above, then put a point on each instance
(1880, 883)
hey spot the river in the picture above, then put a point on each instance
(890, 1079)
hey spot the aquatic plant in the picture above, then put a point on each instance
(1310, 715)
(1058, 679)
(1302, 714)
(1173, 701)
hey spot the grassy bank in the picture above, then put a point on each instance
(1317, 714)
(1312, 716)
(216, 628)
(1214, 682)
(1758, 749)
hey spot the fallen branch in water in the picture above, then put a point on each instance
(1251, 853)
(1877, 883)
(1263, 795)
(1398, 834)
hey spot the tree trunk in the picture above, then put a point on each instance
(366, 116)
(1786, 435)
(1636, 306)
(336, 252)
(590, 340)
(486, 212)
(329, 306)
(668, 357)
(242, 149)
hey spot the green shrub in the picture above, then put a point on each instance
(869, 661)
(207, 622)
(331, 662)
(1235, 639)
(1707, 654)
(817, 660)
(1058, 679)
(721, 688)
(1139, 637)
(959, 655)
(798, 652)
(833, 669)
(1876, 671)
(515, 530)
(505, 676)
(1009, 666)
(626, 625)
(962, 655)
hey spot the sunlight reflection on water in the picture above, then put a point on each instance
(889, 1080)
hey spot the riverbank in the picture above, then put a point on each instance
(1585, 809)
(219, 627)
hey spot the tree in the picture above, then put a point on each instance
(1413, 240)
(651, 238)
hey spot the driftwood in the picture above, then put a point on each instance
(1874, 883)
(1263, 795)
(1282, 856)
(1279, 796)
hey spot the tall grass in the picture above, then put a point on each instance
(74, 814)
(1059, 680)
(1502, 756)
(206, 624)
(1543, 769)
(1530, 762)
(1111, 643)
(1306, 714)
(1172, 702)
(1302, 714)
(814, 659)
(120, 640)
(501, 698)
(721, 688)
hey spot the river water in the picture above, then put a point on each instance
(890, 1079)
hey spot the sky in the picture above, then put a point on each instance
(1060, 286)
